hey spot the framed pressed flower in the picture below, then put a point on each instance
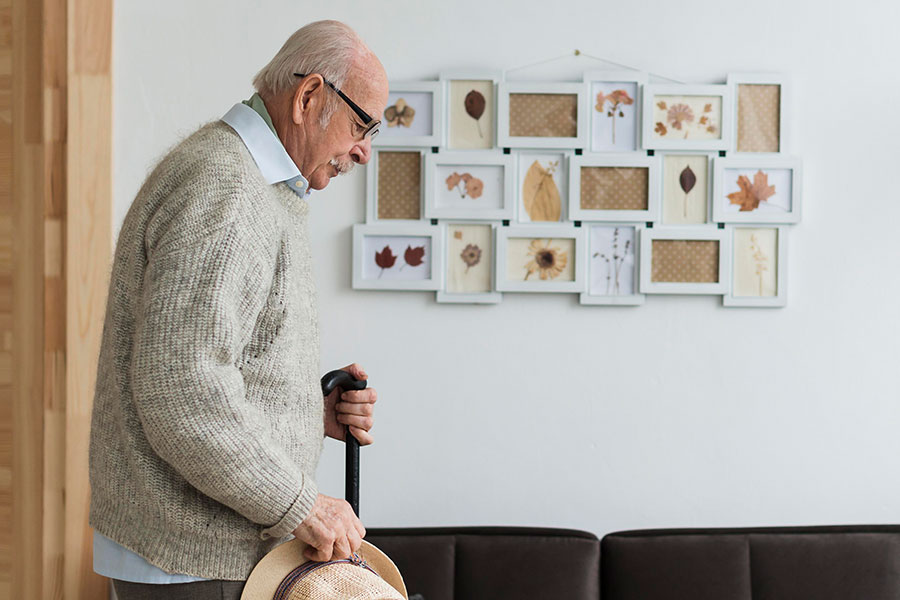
(613, 187)
(542, 115)
(613, 260)
(469, 185)
(684, 260)
(471, 101)
(398, 256)
(758, 266)
(614, 100)
(687, 117)
(762, 188)
(414, 115)
(394, 187)
(760, 118)
(469, 264)
(540, 258)
(543, 184)
(686, 187)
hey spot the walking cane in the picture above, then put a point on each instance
(346, 381)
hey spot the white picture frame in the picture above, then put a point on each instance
(664, 209)
(433, 137)
(440, 198)
(595, 81)
(784, 82)
(454, 139)
(505, 283)
(445, 295)
(591, 295)
(362, 234)
(601, 160)
(724, 184)
(507, 88)
(650, 134)
(779, 299)
(649, 235)
(560, 175)
(372, 177)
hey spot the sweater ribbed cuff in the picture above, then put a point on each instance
(296, 514)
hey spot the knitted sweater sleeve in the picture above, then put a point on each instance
(197, 310)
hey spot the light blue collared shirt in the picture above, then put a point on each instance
(251, 122)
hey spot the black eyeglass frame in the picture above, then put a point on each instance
(370, 123)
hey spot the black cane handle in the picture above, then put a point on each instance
(346, 381)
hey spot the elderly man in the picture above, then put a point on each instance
(208, 417)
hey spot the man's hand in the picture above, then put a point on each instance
(353, 408)
(331, 530)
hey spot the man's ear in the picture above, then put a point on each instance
(307, 97)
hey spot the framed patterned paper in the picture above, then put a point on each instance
(469, 185)
(758, 268)
(471, 108)
(397, 256)
(684, 260)
(761, 188)
(542, 115)
(761, 123)
(615, 101)
(613, 259)
(614, 187)
(469, 264)
(686, 187)
(543, 185)
(394, 184)
(687, 117)
(540, 258)
(414, 115)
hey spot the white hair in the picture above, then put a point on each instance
(329, 48)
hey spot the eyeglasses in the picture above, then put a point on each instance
(370, 123)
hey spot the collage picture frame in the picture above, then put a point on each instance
(614, 187)
(469, 185)
(469, 266)
(760, 188)
(397, 256)
(542, 115)
(758, 266)
(687, 117)
(685, 260)
(414, 115)
(540, 258)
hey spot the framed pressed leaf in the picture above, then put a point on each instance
(397, 256)
(684, 260)
(471, 101)
(614, 98)
(414, 115)
(758, 266)
(613, 261)
(613, 187)
(686, 187)
(394, 185)
(761, 123)
(469, 264)
(542, 115)
(542, 185)
(761, 188)
(469, 185)
(687, 117)
(540, 258)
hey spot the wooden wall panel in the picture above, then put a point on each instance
(6, 333)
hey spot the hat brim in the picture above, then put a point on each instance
(269, 572)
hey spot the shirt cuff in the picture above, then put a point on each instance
(296, 514)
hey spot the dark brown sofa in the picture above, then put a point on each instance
(782, 563)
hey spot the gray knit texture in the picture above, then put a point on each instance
(207, 421)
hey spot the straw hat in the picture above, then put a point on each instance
(285, 574)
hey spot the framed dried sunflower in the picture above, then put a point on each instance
(757, 189)
(414, 115)
(540, 258)
(687, 117)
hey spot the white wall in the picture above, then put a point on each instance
(542, 412)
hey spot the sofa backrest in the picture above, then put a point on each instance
(821, 563)
(473, 563)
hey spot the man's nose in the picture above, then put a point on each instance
(362, 152)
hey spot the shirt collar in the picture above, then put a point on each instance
(268, 152)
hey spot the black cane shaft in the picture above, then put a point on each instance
(345, 381)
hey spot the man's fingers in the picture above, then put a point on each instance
(364, 437)
(341, 548)
(354, 539)
(350, 408)
(359, 422)
(366, 396)
(357, 371)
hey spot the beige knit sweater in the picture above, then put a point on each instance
(207, 422)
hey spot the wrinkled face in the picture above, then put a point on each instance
(332, 150)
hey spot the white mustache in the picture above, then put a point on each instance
(342, 167)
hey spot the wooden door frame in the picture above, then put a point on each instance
(62, 248)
